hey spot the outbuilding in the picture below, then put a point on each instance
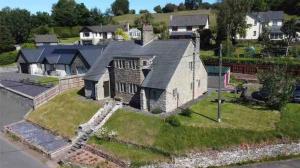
(213, 76)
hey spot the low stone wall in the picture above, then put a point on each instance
(229, 157)
(105, 156)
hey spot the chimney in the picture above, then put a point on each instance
(196, 42)
(147, 34)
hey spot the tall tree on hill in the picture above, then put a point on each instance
(157, 9)
(6, 40)
(18, 22)
(192, 4)
(64, 13)
(260, 5)
(82, 14)
(231, 19)
(96, 17)
(146, 18)
(169, 8)
(41, 19)
(120, 7)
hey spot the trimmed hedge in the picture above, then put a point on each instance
(8, 58)
(268, 61)
(67, 32)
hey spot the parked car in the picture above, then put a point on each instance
(296, 97)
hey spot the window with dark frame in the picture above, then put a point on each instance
(189, 28)
(174, 28)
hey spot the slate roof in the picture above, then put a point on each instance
(167, 54)
(267, 16)
(105, 28)
(188, 20)
(62, 54)
(47, 38)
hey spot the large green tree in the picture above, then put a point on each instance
(96, 17)
(6, 40)
(64, 13)
(231, 19)
(289, 29)
(120, 7)
(82, 14)
(192, 4)
(146, 18)
(41, 19)
(260, 5)
(18, 22)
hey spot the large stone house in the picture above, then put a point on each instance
(183, 26)
(58, 60)
(271, 20)
(148, 74)
(93, 35)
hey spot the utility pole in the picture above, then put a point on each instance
(219, 91)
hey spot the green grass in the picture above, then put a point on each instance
(165, 17)
(241, 123)
(64, 113)
(8, 58)
(45, 80)
(69, 40)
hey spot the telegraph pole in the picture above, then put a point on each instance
(219, 91)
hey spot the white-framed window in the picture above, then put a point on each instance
(175, 92)
(274, 22)
(192, 86)
(191, 66)
(86, 34)
(120, 87)
(199, 83)
(255, 22)
(133, 88)
(254, 33)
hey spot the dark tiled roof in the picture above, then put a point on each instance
(105, 28)
(47, 38)
(267, 16)
(215, 69)
(62, 54)
(167, 54)
(186, 33)
(188, 20)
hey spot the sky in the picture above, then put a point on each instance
(45, 5)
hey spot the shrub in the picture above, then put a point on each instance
(187, 112)
(174, 121)
(156, 111)
(67, 32)
(8, 58)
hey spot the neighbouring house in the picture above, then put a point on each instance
(135, 33)
(46, 39)
(148, 74)
(271, 20)
(60, 60)
(93, 35)
(213, 76)
(183, 26)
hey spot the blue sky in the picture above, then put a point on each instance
(45, 5)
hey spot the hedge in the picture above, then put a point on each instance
(8, 58)
(67, 32)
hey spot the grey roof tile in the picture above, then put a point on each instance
(188, 20)
(267, 16)
(47, 38)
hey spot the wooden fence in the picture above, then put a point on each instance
(65, 84)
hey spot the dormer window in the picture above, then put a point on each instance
(189, 28)
(174, 28)
(86, 34)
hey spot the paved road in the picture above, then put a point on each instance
(10, 155)
(278, 164)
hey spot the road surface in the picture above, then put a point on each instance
(294, 163)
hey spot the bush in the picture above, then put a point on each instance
(172, 120)
(187, 112)
(67, 32)
(156, 111)
(8, 58)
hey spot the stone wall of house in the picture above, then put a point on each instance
(153, 99)
(183, 84)
(77, 63)
(129, 76)
(100, 85)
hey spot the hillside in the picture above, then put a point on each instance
(158, 17)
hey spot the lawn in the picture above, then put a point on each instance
(241, 123)
(71, 40)
(64, 113)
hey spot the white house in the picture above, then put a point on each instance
(93, 35)
(271, 20)
(183, 26)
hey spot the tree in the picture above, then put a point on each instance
(121, 33)
(231, 19)
(142, 11)
(132, 11)
(146, 18)
(44, 29)
(181, 7)
(82, 14)
(277, 87)
(157, 9)
(161, 28)
(18, 22)
(96, 17)
(41, 19)
(169, 8)
(120, 7)
(6, 40)
(192, 4)
(64, 13)
(290, 31)
(260, 5)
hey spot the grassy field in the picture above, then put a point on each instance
(241, 123)
(71, 40)
(164, 17)
(64, 113)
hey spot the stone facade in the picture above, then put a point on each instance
(78, 66)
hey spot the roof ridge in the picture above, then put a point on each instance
(40, 55)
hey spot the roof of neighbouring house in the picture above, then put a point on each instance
(275, 29)
(167, 53)
(191, 34)
(46, 38)
(215, 69)
(105, 28)
(188, 20)
(267, 16)
(62, 54)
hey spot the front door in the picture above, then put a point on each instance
(24, 68)
(106, 88)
